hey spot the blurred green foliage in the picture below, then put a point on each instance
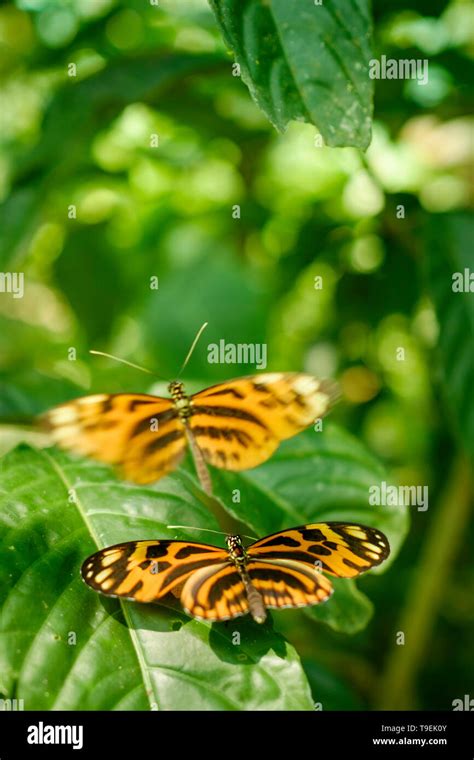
(376, 226)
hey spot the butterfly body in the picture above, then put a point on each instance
(235, 425)
(282, 570)
(239, 557)
(181, 400)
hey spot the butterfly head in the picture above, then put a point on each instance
(176, 389)
(236, 549)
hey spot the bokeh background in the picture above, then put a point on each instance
(155, 143)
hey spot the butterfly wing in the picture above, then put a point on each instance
(239, 424)
(145, 571)
(141, 434)
(288, 583)
(215, 593)
(341, 549)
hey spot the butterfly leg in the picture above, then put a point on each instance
(201, 467)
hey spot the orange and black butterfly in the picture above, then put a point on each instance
(284, 569)
(235, 425)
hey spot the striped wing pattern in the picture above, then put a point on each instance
(341, 549)
(141, 434)
(288, 584)
(236, 425)
(215, 594)
(239, 424)
(145, 571)
(281, 568)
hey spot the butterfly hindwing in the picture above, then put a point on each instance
(239, 424)
(141, 434)
(215, 593)
(147, 570)
(287, 583)
(341, 549)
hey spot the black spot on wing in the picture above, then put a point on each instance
(319, 550)
(312, 534)
(188, 551)
(155, 551)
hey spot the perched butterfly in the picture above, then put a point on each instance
(281, 570)
(235, 425)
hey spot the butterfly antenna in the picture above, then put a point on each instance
(123, 361)
(208, 530)
(193, 346)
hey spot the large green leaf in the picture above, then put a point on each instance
(305, 61)
(450, 260)
(64, 647)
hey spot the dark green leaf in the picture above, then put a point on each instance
(305, 61)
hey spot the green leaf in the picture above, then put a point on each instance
(449, 257)
(315, 477)
(62, 646)
(309, 62)
(350, 610)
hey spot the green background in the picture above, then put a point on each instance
(305, 211)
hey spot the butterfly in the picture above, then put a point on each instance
(283, 569)
(235, 425)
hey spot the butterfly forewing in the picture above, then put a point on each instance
(147, 570)
(341, 549)
(239, 424)
(141, 434)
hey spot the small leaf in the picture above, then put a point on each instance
(305, 61)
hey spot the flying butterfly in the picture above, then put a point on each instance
(283, 569)
(235, 425)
